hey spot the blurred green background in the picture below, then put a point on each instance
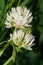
(34, 57)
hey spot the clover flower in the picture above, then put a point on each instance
(19, 17)
(22, 40)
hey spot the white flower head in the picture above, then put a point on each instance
(19, 17)
(22, 40)
(17, 36)
(28, 41)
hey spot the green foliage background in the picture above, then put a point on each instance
(34, 57)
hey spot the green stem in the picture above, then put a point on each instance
(18, 2)
(14, 54)
(5, 47)
(8, 61)
(12, 58)
(3, 42)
